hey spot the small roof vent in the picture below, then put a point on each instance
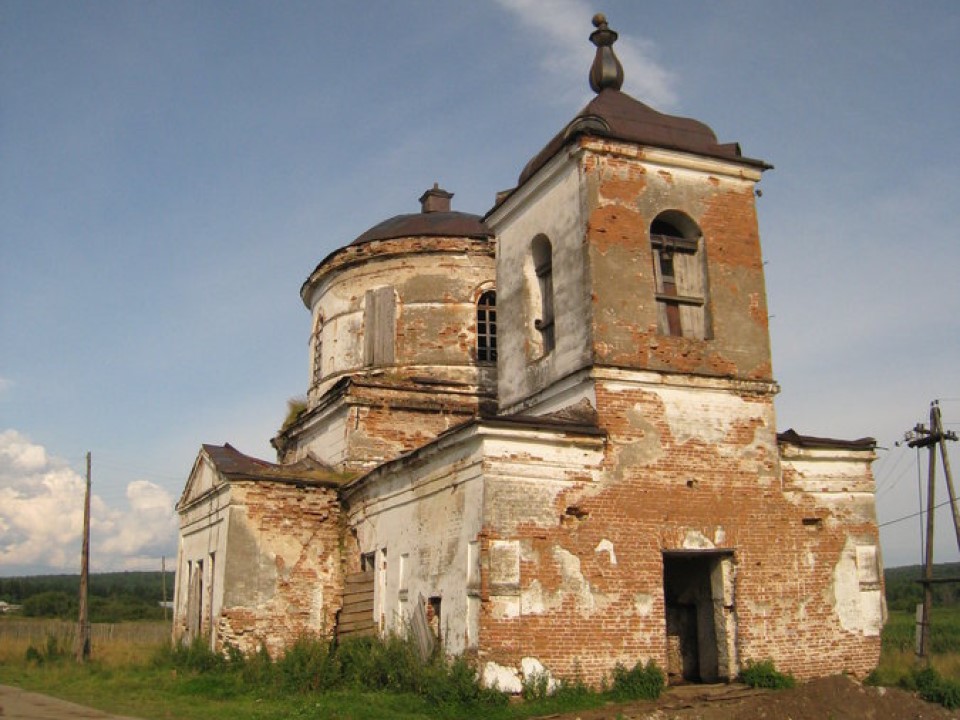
(435, 199)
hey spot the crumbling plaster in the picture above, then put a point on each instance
(628, 189)
(549, 205)
(436, 283)
(283, 562)
(428, 512)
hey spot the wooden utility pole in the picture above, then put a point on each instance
(163, 583)
(928, 558)
(922, 437)
(936, 424)
(83, 624)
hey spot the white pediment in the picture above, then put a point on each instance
(204, 477)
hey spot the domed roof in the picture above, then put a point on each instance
(435, 219)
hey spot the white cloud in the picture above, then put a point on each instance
(41, 515)
(5, 384)
(19, 454)
(562, 30)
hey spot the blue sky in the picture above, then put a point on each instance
(172, 171)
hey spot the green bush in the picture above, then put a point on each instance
(123, 607)
(931, 686)
(256, 670)
(374, 664)
(455, 683)
(315, 665)
(763, 674)
(536, 686)
(644, 682)
(52, 604)
(195, 657)
(53, 652)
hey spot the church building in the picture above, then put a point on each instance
(545, 437)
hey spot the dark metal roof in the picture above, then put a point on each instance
(433, 224)
(234, 465)
(614, 114)
(792, 437)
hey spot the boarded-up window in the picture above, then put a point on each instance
(379, 326)
(868, 566)
(504, 558)
(680, 281)
(195, 600)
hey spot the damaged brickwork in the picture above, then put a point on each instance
(547, 437)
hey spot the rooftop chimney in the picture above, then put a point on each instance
(435, 200)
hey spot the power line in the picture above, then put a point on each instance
(890, 480)
(890, 486)
(913, 515)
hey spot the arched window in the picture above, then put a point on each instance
(487, 327)
(542, 253)
(679, 275)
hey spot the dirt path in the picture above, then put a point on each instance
(17, 704)
(833, 698)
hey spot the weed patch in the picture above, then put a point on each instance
(763, 674)
(54, 651)
(642, 682)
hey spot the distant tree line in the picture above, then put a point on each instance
(904, 592)
(113, 597)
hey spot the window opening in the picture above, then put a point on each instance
(678, 271)
(487, 327)
(433, 617)
(197, 611)
(543, 266)
(212, 571)
(318, 352)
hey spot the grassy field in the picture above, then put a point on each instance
(898, 656)
(130, 673)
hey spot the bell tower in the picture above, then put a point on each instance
(630, 243)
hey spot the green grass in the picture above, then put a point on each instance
(939, 679)
(357, 681)
(147, 682)
(899, 632)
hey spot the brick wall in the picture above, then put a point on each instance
(283, 577)
(686, 469)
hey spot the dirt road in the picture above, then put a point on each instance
(17, 704)
(833, 698)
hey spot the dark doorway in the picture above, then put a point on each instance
(697, 617)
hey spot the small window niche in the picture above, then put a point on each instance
(542, 254)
